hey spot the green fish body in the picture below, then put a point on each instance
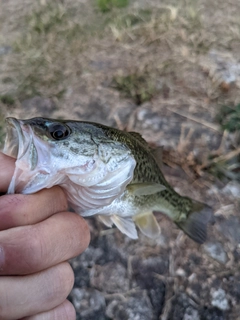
(104, 171)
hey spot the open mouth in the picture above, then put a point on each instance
(19, 144)
(15, 141)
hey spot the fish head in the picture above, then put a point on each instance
(69, 153)
(56, 134)
(37, 145)
(39, 140)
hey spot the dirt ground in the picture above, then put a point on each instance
(164, 69)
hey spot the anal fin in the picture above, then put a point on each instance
(148, 224)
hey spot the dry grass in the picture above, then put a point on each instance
(156, 51)
(139, 85)
(2, 131)
(47, 53)
(107, 5)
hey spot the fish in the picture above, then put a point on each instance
(103, 171)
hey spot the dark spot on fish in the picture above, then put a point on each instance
(74, 150)
(77, 140)
(66, 143)
(62, 155)
(86, 152)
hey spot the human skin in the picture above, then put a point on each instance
(37, 237)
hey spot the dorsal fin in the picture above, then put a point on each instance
(139, 137)
(157, 154)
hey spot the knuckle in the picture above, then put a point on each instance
(25, 251)
(33, 249)
(37, 248)
(10, 203)
(13, 211)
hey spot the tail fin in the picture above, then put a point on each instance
(195, 226)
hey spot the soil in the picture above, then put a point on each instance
(170, 278)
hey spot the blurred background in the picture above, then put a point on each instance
(170, 70)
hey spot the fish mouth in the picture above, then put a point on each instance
(19, 142)
(31, 154)
(15, 140)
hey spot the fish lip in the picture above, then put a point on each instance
(17, 138)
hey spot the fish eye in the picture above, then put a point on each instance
(59, 131)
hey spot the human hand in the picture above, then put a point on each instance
(37, 237)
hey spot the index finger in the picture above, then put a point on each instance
(21, 209)
(7, 165)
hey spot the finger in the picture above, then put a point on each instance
(20, 209)
(23, 296)
(62, 312)
(7, 165)
(29, 249)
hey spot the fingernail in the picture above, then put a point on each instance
(2, 258)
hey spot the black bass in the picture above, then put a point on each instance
(104, 171)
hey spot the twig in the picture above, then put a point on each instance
(107, 231)
(195, 119)
(184, 139)
(118, 121)
(131, 121)
(226, 157)
(166, 309)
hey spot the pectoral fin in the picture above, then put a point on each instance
(125, 225)
(148, 224)
(143, 189)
